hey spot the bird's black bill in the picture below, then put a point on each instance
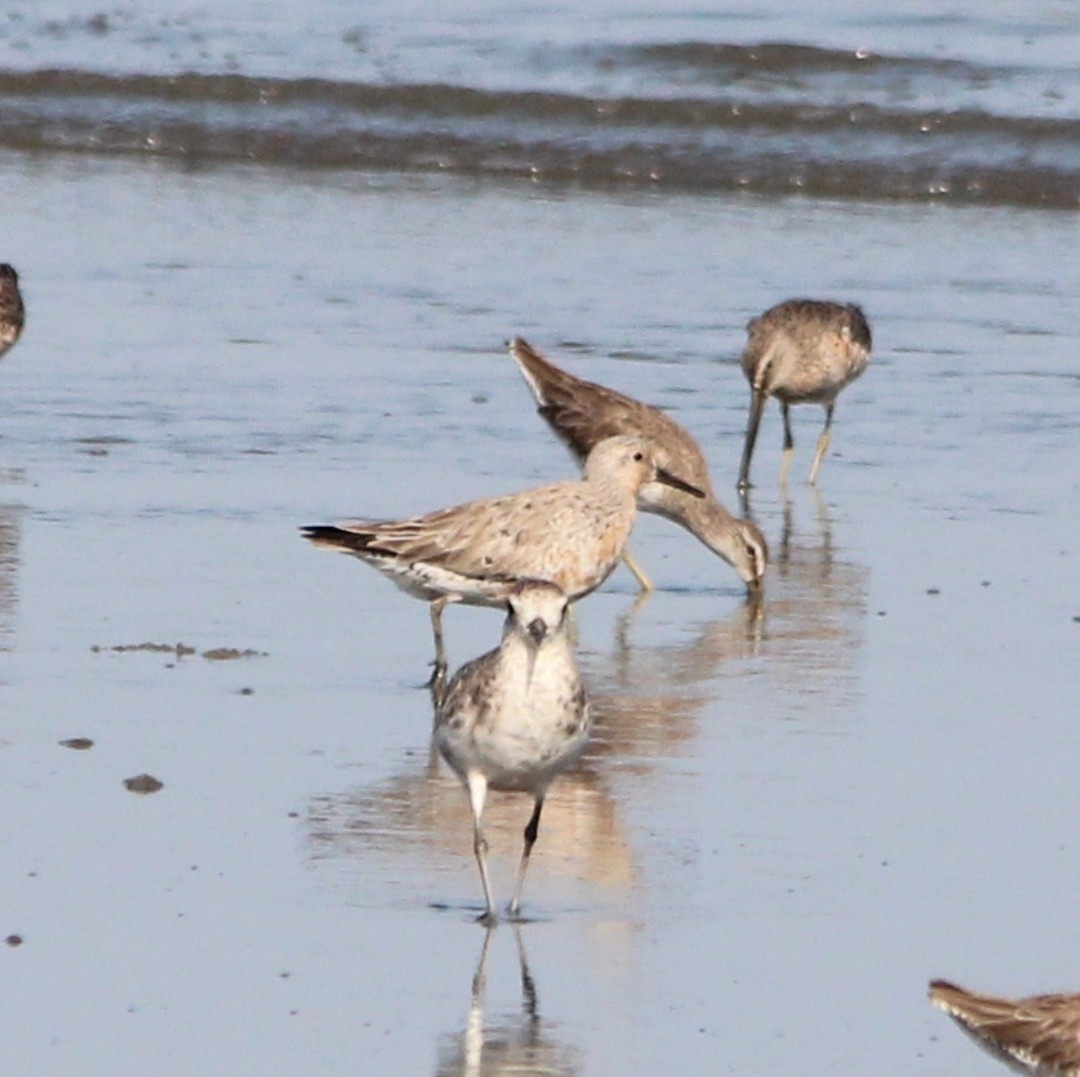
(757, 405)
(676, 483)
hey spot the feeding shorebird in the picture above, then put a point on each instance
(583, 413)
(569, 533)
(12, 311)
(515, 718)
(1039, 1035)
(802, 351)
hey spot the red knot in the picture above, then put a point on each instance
(571, 534)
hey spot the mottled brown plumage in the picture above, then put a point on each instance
(12, 311)
(1038, 1035)
(583, 413)
(802, 351)
(514, 718)
(569, 533)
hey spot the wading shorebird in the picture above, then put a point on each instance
(802, 351)
(569, 533)
(515, 718)
(1039, 1035)
(12, 311)
(583, 413)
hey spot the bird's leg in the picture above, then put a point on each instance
(437, 687)
(630, 561)
(532, 828)
(477, 794)
(823, 442)
(789, 443)
(436, 630)
(757, 406)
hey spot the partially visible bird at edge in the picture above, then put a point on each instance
(1039, 1035)
(12, 311)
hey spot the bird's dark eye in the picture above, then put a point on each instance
(639, 456)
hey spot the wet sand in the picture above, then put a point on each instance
(787, 823)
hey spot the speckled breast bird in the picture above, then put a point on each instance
(802, 351)
(515, 718)
(571, 534)
(1039, 1035)
(12, 311)
(582, 413)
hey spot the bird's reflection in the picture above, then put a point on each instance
(792, 654)
(646, 698)
(645, 703)
(814, 614)
(10, 541)
(519, 1043)
(421, 810)
(787, 554)
(822, 591)
(716, 643)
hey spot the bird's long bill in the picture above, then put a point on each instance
(757, 405)
(675, 482)
(535, 633)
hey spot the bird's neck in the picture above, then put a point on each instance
(521, 661)
(620, 490)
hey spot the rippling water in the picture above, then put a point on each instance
(910, 105)
(270, 254)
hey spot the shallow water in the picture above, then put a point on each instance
(977, 106)
(788, 821)
(786, 824)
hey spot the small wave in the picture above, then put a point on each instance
(863, 151)
(722, 60)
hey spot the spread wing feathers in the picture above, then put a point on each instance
(1040, 1033)
(583, 413)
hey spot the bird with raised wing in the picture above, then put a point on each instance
(1039, 1035)
(583, 413)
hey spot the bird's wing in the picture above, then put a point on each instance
(583, 413)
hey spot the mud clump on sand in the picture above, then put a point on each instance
(228, 654)
(180, 650)
(143, 783)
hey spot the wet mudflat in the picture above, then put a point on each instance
(790, 819)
